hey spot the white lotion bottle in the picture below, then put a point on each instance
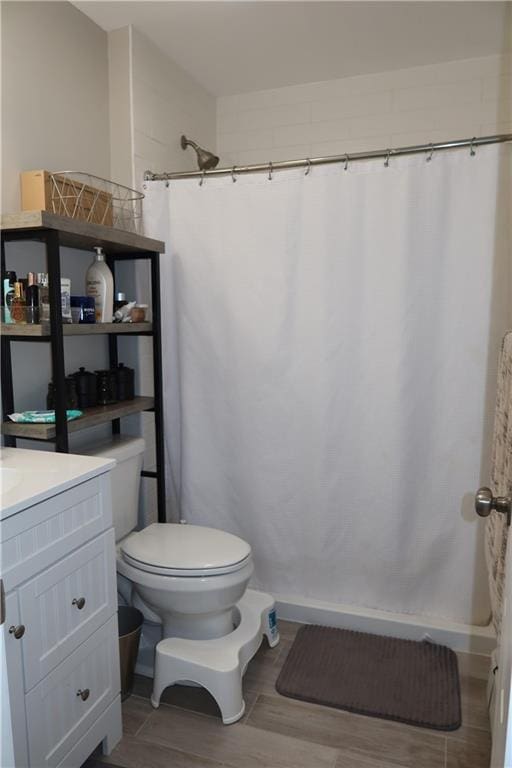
(99, 284)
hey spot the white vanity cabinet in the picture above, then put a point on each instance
(59, 631)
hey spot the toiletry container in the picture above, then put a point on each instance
(120, 301)
(87, 307)
(71, 395)
(9, 279)
(125, 380)
(100, 285)
(32, 298)
(106, 387)
(138, 313)
(18, 308)
(44, 300)
(65, 297)
(86, 388)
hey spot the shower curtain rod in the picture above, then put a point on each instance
(346, 158)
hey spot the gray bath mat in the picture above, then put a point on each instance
(405, 680)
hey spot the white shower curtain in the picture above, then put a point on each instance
(330, 348)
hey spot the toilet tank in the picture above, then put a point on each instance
(128, 453)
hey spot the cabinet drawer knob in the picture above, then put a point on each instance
(84, 695)
(18, 631)
(79, 602)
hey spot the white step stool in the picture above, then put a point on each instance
(218, 665)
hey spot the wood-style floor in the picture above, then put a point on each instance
(277, 732)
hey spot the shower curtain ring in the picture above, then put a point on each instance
(386, 161)
(472, 151)
(233, 174)
(201, 180)
(345, 167)
(167, 183)
(270, 171)
(431, 153)
(308, 162)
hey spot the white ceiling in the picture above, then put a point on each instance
(235, 47)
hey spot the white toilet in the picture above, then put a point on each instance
(190, 576)
(192, 580)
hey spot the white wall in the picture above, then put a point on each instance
(54, 116)
(166, 103)
(153, 101)
(408, 106)
(120, 102)
(54, 93)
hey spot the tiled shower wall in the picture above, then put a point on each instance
(408, 106)
(165, 102)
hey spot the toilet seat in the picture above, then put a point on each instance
(172, 549)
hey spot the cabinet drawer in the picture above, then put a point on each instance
(40, 535)
(65, 604)
(57, 715)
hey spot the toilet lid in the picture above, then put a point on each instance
(190, 549)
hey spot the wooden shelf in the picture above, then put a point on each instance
(56, 232)
(27, 330)
(92, 417)
(75, 233)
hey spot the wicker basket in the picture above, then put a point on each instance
(83, 196)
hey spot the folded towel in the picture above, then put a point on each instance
(41, 417)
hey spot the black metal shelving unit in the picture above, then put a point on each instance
(56, 232)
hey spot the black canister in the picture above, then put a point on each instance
(86, 388)
(125, 379)
(71, 394)
(106, 387)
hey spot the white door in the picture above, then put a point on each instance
(502, 716)
(502, 726)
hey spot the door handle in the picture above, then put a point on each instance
(485, 502)
(17, 631)
(84, 694)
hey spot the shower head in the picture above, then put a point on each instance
(205, 160)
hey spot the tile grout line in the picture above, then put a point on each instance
(276, 695)
(150, 714)
(248, 713)
(189, 711)
(173, 748)
(220, 763)
(337, 757)
(445, 752)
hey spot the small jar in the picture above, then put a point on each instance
(138, 313)
(125, 380)
(71, 394)
(106, 387)
(86, 387)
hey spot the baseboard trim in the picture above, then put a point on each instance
(466, 638)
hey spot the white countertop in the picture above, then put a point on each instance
(28, 477)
